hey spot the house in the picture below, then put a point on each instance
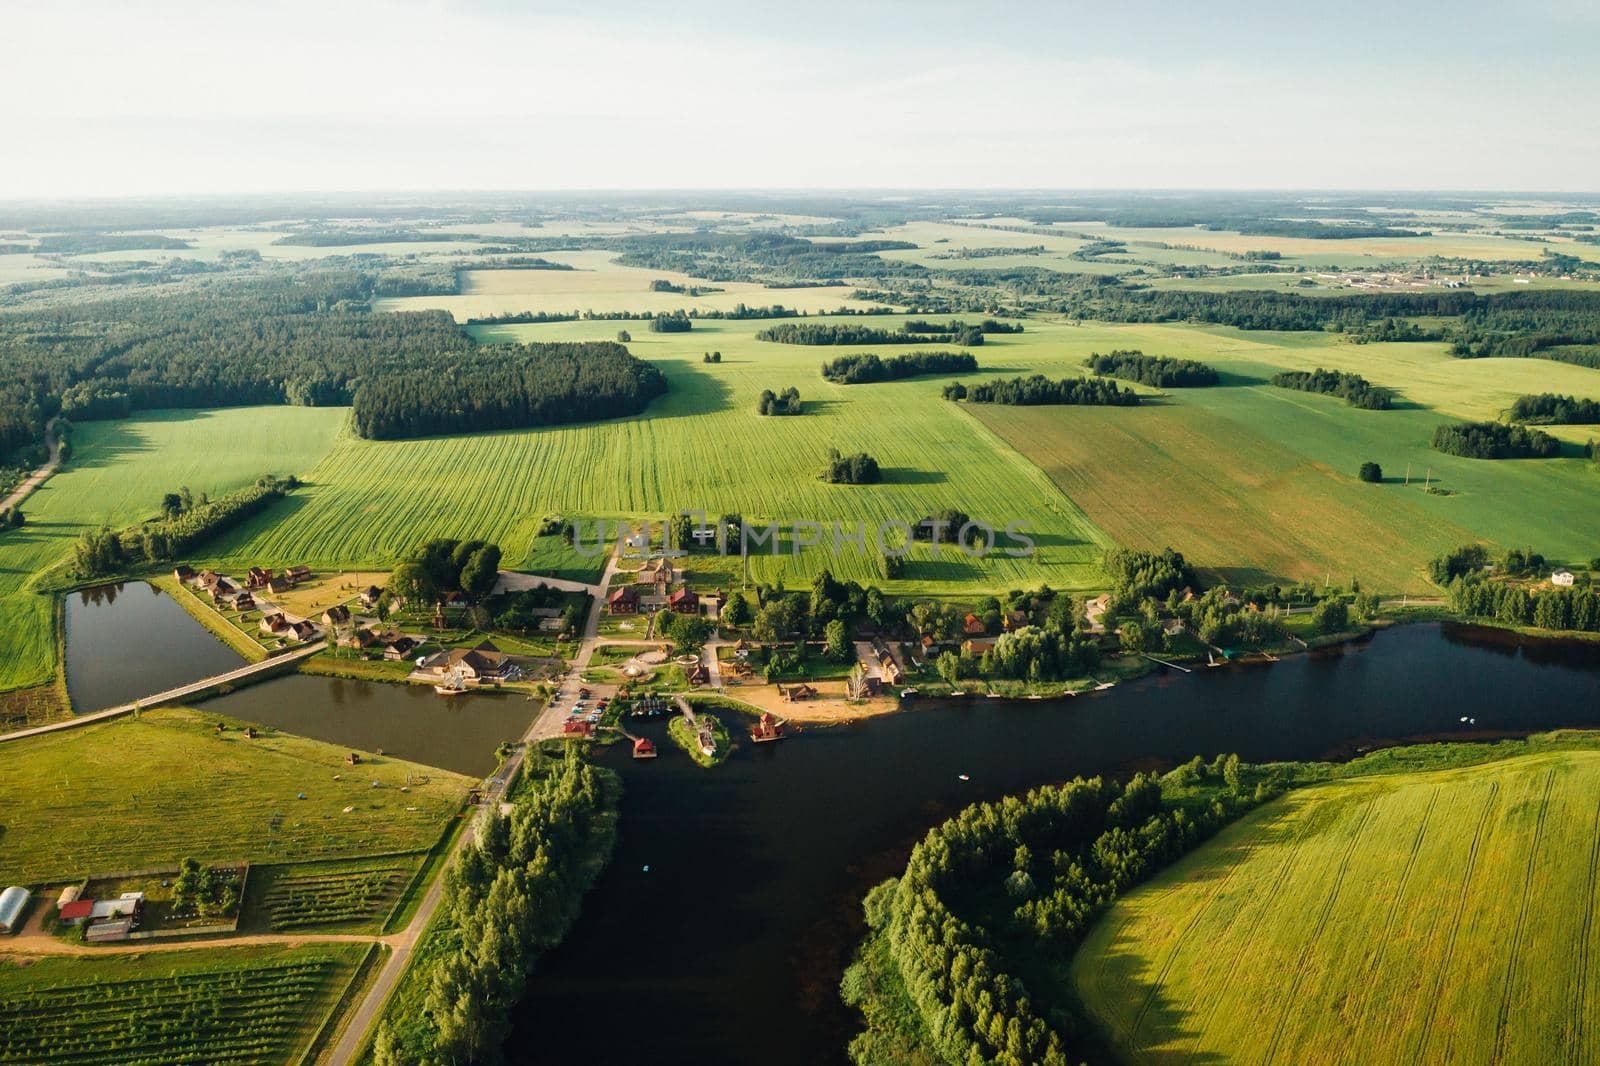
(454, 600)
(799, 692)
(370, 596)
(1172, 627)
(304, 630)
(257, 577)
(399, 648)
(274, 623)
(1014, 620)
(768, 728)
(929, 644)
(972, 625)
(280, 585)
(577, 727)
(1097, 606)
(358, 638)
(623, 600)
(698, 674)
(684, 601)
(1230, 600)
(864, 681)
(298, 574)
(183, 574)
(209, 578)
(657, 572)
(485, 664)
(336, 615)
(642, 748)
(223, 590)
(1563, 577)
(978, 647)
(244, 602)
(888, 668)
(13, 902)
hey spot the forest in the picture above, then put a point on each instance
(1494, 440)
(1158, 371)
(1356, 390)
(839, 333)
(867, 367)
(1037, 389)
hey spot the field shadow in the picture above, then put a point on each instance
(1237, 576)
(905, 475)
(1164, 1026)
(691, 391)
(1232, 379)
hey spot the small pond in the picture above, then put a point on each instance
(131, 640)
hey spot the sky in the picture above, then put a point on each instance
(176, 98)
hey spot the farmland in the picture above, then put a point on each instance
(246, 1005)
(350, 895)
(1442, 917)
(181, 789)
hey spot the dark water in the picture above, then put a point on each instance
(413, 722)
(730, 949)
(128, 641)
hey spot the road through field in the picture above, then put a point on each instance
(35, 479)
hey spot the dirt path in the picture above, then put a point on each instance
(40, 944)
(37, 478)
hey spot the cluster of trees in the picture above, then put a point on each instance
(1548, 409)
(1467, 559)
(1494, 440)
(205, 891)
(1140, 575)
(1511, 604)
(1356, 390)
(958, 327)
(786, 402)
(1003, 887)
(857, 469)
(1160, 371)
(444, 564)
(866, 367)
(507, 387)
(783, 616)
(839, 333)
(184, 524)
(711, 357)
(673, 322)
(518, 611)
(1037, 389)
(687, 631)
(1033, 653)
(512, 896)
(1371, 473)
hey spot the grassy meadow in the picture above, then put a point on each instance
(116, 476)
(1424, 917)
(179, 789)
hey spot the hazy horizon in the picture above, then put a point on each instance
(187, 99)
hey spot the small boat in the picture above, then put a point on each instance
(963, 777)
(1036, 696)
(907, 693)
(1102, 686)
(1463, 718)
(453, 685)
(995, 696)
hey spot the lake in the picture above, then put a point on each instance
(131, 640)
(413, 722)
(730, 948)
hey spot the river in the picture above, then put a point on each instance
(730, 947)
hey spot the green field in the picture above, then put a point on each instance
(117, 475)
(249, 1005)
(353, 895)
(143, 793)
(1422, 917)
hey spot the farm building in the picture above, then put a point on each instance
(1014, 620)
(1563, 577)
(298, 574)
(13, 901)
(684, 601)
(77, 912)
(370, 596)
(972, 625)
(358, 638)
(209, 578)
(183, 574)
(978, 647)
(244, 602)
(336, 615)
(280, 585)
(257, 577)
(799, 692)
(623, 600)
(577, 727)
(399, 648)
(304, 630)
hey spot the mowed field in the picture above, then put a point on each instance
(1429, 917)
(1253, 481)
(116, 476)
(181, 790)
(702, 447)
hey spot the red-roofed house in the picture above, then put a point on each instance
(684, 601)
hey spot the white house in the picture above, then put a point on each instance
(1561, 577)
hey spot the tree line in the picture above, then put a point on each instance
(183, 526)
(1158, 371)
(1494, 440)
(1356, 390)
(1549, 409)
(827, 333)
(866, 367)
(512, 895)
(1037, 389)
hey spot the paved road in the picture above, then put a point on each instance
(35, 479)
(172, 695)
(548, 724)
